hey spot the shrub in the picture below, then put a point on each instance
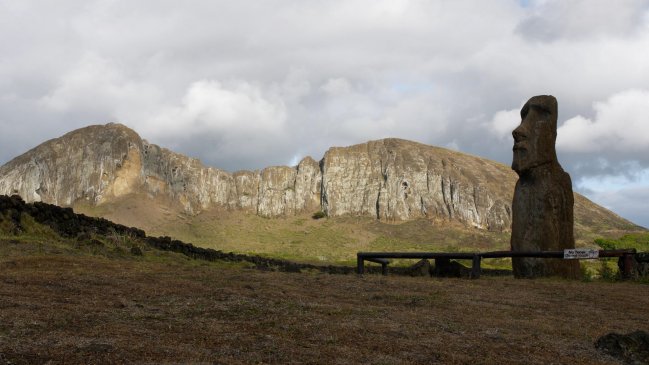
(605, 271)
(639, 241)
(136, 251)
(586, 274)
(319, 214)
(605, 244)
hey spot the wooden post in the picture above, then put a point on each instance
(475, 269)
(384, 268)
(627, 263)
(360, 264)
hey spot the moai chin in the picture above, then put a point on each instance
(542, 210)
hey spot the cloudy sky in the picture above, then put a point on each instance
(247, 84)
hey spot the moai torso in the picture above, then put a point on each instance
(542, 209)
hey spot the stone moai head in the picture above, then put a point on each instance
(534, 139)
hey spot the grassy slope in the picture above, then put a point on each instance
(639, 241)
(332, 240)
(62, 302)
(302, 238)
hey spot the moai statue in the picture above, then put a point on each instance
(542, 210)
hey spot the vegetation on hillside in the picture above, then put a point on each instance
(639, 241)
(331, 240)
(325, 241)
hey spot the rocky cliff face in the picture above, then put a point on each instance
(95, 163)
(397, 179)
(389, 179)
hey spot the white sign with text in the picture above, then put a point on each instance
(580, 253)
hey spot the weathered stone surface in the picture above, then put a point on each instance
(307, 185)
(95, 163)
(390, 179)
(543, 200)
(186, 180)
(640, 265)
(420, 268)
(99, 163)
(445, 267)
(632, 348)
(397, 180)
(247, 188)
(277, 191)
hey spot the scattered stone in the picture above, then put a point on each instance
(84, 236)
(136, 251)
(640, 265)
(542, 208)
(632, 348)
(446, 268)
(95, 242)
(421, 268)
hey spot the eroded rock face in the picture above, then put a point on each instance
(399, 180)
(185, 180)
(543, 200)
(389, 179)
(94, 163)
(99, 163)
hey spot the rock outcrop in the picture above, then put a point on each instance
(389, 179)
(95, 163)
(103, 162)
(630, 348)
(397, 180)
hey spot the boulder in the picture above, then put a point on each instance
(631, 348)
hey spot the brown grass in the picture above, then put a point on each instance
(59, 306)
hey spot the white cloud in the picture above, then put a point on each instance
(337, 87)
(248, 84)
(638, 178)
(97, 84)
(504, 122)
(620, 124)
(453, 146)
(353, 113)
(579, 19)
(236, 112)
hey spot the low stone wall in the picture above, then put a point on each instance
(69, 224)
(640, 265)
(72, 225)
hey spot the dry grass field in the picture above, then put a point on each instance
(65, 304)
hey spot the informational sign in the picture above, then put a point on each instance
(580, 253)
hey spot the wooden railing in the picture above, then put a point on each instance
(476, 258)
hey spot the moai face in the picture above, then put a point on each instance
(534, 139)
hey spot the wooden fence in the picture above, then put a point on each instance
(476, 258)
